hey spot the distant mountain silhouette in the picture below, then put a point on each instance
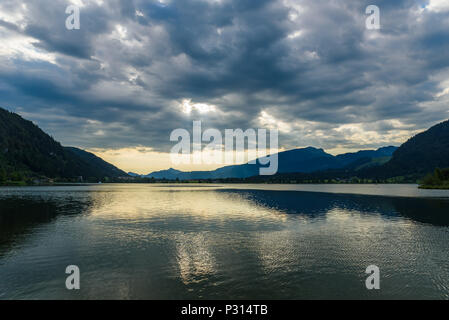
(27, 150)
(170, 174)
(133, 174)
(365, 158)
(304, 160)
(414, 159)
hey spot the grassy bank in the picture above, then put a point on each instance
(438, 180)
(441, 187)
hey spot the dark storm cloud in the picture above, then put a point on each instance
(309, 66)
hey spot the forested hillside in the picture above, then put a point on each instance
(420, 155)
(26, 151)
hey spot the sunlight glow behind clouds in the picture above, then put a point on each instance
(140, 69)
(438, 5)
(187, 107)
(22, 48)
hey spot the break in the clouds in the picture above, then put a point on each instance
(138, 69)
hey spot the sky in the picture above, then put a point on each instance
(136, 70)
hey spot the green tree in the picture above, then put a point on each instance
(2, 175)
(16, 176)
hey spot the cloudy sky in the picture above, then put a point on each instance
(137, 69)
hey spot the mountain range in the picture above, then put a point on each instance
(27, 151)
(420, 155)
(304, 160)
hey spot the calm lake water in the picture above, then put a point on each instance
(224, 241)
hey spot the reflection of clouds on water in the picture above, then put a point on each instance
(315, 206)
(277, 251)
(194, 257)
(346, 241)
(151, 242)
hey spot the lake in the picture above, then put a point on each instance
(154, 241)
